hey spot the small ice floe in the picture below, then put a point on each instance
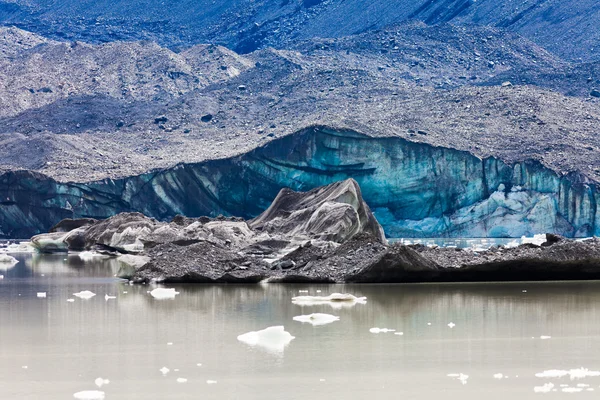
(302, 291)
(41, 294)
(211, 382)
(107, 297)
(335, 300)
(545, 337)
(583, 385)
(273, 339)
(545, 388)
(381, 330)
(321, 380)
(7, 262)
(89, 395)
(498, 376)
(451, 325)
(163, 293)
(124, 292)
(318, 291)
(181, 380)
(199, 365)
(577, 373)
(90, 255)
(460, 376)
(524, 291)
(176, 370)
(429, 324)
(169, 343)
(164, 370)
(572, 390)
(1, 276)
(399, 333)
(71, 300)
(85, 294)
(101, 382)
(24, 366)
(317, 319)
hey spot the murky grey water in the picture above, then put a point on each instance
(66, 346)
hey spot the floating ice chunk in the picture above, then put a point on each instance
(107, 297)
(318, 291)
(210, 382)
(451, 325)
(101, 382)
(302, 291)
(163, 293)
(181, 380)
(546, 388)
(24, 367)
(169, 343)
(164, 370)
(176, 370)
(399, 333)
(583, 385)
(1, 276)
(572, 390)
(545, 337)
(335, 300)
(7, 261)
(85, 294)
(317, 319)
(321, 380)
(463, 378)
(41, 294)
(90, 255)
(71, 300)
(381, 330)
(498, 376)
(89, 395)
(273, 339)
(577, 373)
(536, 239)
(199, 365)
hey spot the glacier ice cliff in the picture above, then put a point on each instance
(414, 189)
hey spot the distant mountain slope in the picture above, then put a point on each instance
(569, 28)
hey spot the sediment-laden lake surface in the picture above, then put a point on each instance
(468, 341)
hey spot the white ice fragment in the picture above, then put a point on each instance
(89, 395)
(463, 378)
(498, 376)
(164, 370)
(381, 330)
(429, 324)
(273, 339)
(90, 255)
(583, 385)
(577, 373)
(317, 319)
(453, 375)
(107, 297)
(524, 291)
(169, 343)
(451, 325)
(536, 239)
(572, 390)
(176, 370)
(24, 367)
(211, 382)
(181, 380)
(1, 276)
(199, 365)
(545, 337)
(124, 292)
(318, 291)
(41, 294)
(399, 333)
(101, 381)
(70, 300)
(546, 388)
(335, 300)
(8, 260)
(163, 293)
(85, 294)
(302, 291)
(321, 380)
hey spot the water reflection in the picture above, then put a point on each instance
(496, 331)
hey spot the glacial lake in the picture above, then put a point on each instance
(508, 341)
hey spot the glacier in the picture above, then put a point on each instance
(414, 189)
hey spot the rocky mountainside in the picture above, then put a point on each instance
(566, 28)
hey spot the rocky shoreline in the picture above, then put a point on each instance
(328, 234)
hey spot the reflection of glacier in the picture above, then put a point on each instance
(415, 190)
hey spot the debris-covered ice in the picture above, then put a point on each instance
(273, 339)
(85, 294)
(317, 319)
(89, 395)
(164, 293)
(335, 300)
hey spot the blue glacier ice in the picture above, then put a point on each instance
(415, 190)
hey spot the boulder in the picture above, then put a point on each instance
(123, 232)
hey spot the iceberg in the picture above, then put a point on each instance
(317, 319)
(85, 294)
(335, 300)
(273, 339)
(163, 293)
